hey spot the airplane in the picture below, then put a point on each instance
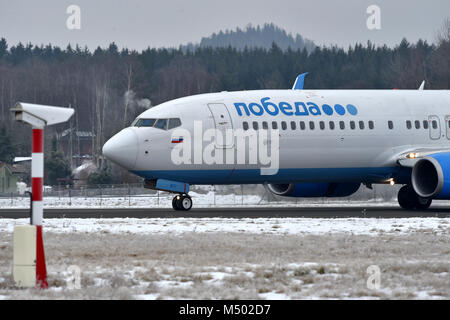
(328, 142)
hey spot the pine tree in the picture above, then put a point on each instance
(6, 147)
(3, 48)
(57, 167)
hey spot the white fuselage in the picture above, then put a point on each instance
(312, 144)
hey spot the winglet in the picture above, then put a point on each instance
(422, 85)
(299, 82)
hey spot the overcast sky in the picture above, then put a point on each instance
(138, 24)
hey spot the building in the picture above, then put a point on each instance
(8, 181)
(77, 144)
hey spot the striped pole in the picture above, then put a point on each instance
(37, 175)
(29, 257)
(37, 178)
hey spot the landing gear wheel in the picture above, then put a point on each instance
(423, 203)
(175, 203)
(182, 202)
(410, 200)
(406, 198)
(185, 203)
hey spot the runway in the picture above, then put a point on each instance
(250, 212)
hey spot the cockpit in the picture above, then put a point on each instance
(163, 124)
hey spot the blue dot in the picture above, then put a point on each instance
(327, 109)
(352, 109)
(339, 109)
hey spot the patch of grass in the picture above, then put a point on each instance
(132, 264)
(321, 270)
(264, 290)
(301, 271)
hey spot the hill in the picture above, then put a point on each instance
(254, 37)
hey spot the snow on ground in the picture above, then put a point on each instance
(238, 258)
(220, 265)
(281, 226)
(200, 201)
(136, 201)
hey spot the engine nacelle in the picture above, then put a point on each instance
(431, 176)
(311, 190)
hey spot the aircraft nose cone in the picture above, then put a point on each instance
(122, 148)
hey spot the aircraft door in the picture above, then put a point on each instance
(435, 127)
(223, 123)
(447, 125)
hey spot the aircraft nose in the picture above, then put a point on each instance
(122, 148)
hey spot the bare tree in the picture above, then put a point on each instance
(129, 73)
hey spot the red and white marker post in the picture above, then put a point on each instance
(37, 205)
(29, 257)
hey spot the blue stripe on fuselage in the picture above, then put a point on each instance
(250, 176)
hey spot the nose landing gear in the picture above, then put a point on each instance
(182, 202)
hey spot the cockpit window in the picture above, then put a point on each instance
(145, 123)
(164, 124)
(173, 123)
(161, 124)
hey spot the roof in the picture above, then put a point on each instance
(77, 133)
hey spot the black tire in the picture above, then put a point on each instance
(175, 203)
(410, 200)
(407, 198)
(423, 203)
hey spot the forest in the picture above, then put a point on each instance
(109, 87)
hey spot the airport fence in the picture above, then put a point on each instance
(135, 195)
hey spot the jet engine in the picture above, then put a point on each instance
(431, 176)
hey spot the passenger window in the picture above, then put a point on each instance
(145, 122)
(322, 125)
(293, 125)
(173, 123)
(390, 125)
(342, 125)
(352, 125)
(408, 124)
(434, 124)
(283, 125)
(161, 124)
(274, 125)
(255, 125)
(245, 125)
(265, 125)
(302, 125)
(331, 124)
(311, 125)
(417, 124)
(425, 124)
(371, 125)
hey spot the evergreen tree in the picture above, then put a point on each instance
(6, 147)
(56, 166)
(3, 48)
(103, 176)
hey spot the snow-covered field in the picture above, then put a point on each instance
(137, 201)
(276, 226)
(165, 201)
(218, 258)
